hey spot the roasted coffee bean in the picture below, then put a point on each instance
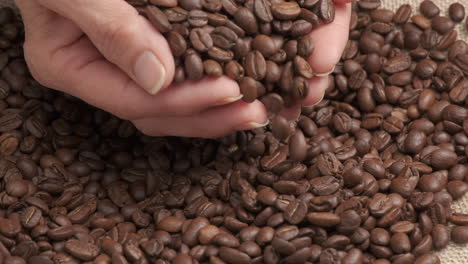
(285, 10)
(249, 89)
(197, 18)
(265, 45)
(460, 234)
(234, 70)
(224, 37)
(177, 43)
(255, 65)
(193, 66)
(212, 68)
(246, 20)
(373, 168)
(457, 12)
(158, 19)
(326, 10)
(442, 24)
(220, 55)
(176, 15)
(402, 14)
(81, 250)
(428, 259)
(200, 40)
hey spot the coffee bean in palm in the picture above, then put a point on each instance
(193, 66)
(212, 68)
(197, 18)
(220, 55)
(224, 37)
(158, 19)
(234, 70)
(249, 89)
(200, 40)
(176, 14)
(177, 43)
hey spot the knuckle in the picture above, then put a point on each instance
(36, 66)
(146, 130)
(122, 113)
(115, 34)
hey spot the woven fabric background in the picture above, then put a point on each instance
(453, 254)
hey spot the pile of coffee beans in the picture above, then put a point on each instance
(368, 176)
(262, 44)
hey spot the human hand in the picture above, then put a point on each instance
(109, 56)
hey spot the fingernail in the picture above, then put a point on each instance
(253, 125)
(229, 100)
(318, 102)
(149, 72)
(325, 73)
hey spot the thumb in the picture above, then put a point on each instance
(123, 37)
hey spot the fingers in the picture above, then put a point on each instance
(215, 122)
(317, 87)
(103, 85)
(343, 1)
(330, 41)
(124, 38)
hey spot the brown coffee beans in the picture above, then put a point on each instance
(368, 175)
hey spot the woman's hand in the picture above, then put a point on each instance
(108, 55)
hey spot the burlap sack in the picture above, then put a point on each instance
(453, 254)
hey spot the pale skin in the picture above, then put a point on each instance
(106, 54)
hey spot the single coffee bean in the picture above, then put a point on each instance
(428, 259)
(176, 15)
(402, 14)
(220, 55)
(212, 68)
(302, 67)
(177, 43)
(262, 11)
(234, 70)
(326, 10)
(285, 10)
(249, 89)
(224, 37)
(264, 44)
(442, 24)
(255, 65)
(460, 234)
(82, 250)
(457, 12)
(429, 9)
(200, 40)
(193, 66)
(246, 20)
(158, 19)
